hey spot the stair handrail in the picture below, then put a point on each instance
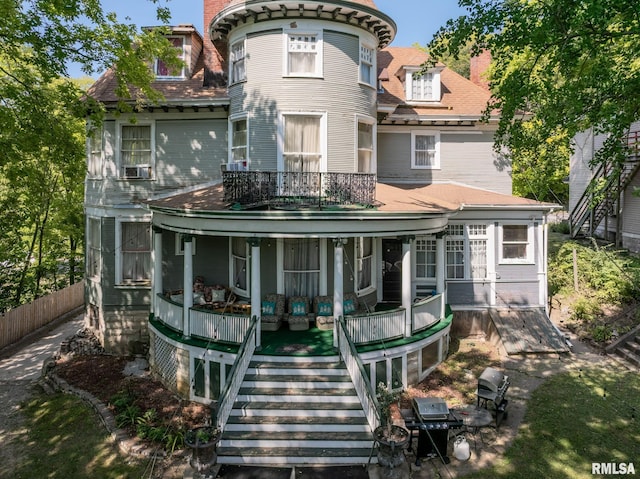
(235, 377)
(354, 365)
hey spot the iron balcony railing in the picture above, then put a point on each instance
(286, 189)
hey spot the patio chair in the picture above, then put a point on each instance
(272, 312)
(299, 313)
(323, 312)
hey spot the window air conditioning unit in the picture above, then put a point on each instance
(139, 171)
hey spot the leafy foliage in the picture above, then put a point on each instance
(558, 67)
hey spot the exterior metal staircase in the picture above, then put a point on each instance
(607, 184)
(296, 410)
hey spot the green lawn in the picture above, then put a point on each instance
(66, 441)
(572, 421)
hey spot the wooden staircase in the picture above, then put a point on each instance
(607, 184)
(296, 410)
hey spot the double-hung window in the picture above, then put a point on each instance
(302, 142)
(239, 277)
(301, 267)
(516, 243)
(364, 265)
(367, 56)
(238, 159)
(136, 151)
(304, 54)
(94, 244)
(163, 70)
(425, 149)
(365, 147)
(425, 258)
(94, 153)
(238, 72)
(135, 252)
(423, 86)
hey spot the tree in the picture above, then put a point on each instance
(558, 67)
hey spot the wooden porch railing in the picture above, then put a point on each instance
(236, 377)
(358, 375)
(373, 327)
(426, 312)
(223, 327)
(169, 313)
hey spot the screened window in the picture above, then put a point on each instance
(304, 54)
(515, 243)
(239, 158)
(302, 143)
(425, 150)
(425, 258)
(365, 147)
(135, 151)
(366, 65)
(163, 70)
(364, 264)
(94, 245)
(135, 250)
(301, 267)
(239, 277)
(237, 61)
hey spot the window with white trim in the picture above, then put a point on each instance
(516, 243)
(425, 149)
(301, 267)
(135, 252)
(304, 54)
(237, 55)
(239, 253)
(425, 257)
(94, 247)
(180, 244)
(365, 146)
(238, 153)
(466, 251)
(422, 86)
(163, 70)
(302, 142)
(94, 153)
(367, 70)
(365, 274)
(136, 151)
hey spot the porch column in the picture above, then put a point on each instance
(256, 293)
(338, 284)
(441, 262)
(406, 283)
(187, 282)
(156, 259)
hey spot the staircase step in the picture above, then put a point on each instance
(633, 346)
(283, 407)
(314, 435)
(629, 356)
(296, 423)
(328, 441)
(295, 455)
(292, 382)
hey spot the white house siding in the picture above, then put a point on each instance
(266, 93)
(631, 217)
(464, 157)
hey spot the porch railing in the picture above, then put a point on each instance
(358, 375)
(298, 189)
(426, 312)
(224, 327)
(373, 327)
(235, 377)
(169, 313)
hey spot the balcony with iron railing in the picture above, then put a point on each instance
(291, 190)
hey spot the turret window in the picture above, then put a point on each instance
(304, 54)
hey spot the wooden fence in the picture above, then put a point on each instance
(17, 323)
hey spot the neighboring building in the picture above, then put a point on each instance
(602, 202)
(299, 160)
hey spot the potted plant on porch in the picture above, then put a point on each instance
(391, 439)
(203, 442)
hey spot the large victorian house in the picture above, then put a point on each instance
(306, 215)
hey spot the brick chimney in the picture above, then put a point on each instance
(214, 55)
(479, 65)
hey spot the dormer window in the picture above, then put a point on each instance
(422, 86)
(162, 70)
(238, 72)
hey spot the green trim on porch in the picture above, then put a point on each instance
(200, 343)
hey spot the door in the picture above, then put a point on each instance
(392, 270)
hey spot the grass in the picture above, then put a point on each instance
(66, 441)
(572, 421)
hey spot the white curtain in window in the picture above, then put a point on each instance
(239, 140)
(301, 267)
(365, 256)
(238, 72)
(478, 251)
(365, 147)
(136, 145)
(302, 143)
(302, 54)
(425, 150)
(136, 251)
(239, 254)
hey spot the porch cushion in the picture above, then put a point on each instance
(325, 309)
(217, 295)
(268, 307)
(298, 308)
(349, 306)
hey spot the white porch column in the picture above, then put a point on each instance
(256, 293)
(406, 283)
(156, 259)
(187, 283)
(440, 270)
(338, 284)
